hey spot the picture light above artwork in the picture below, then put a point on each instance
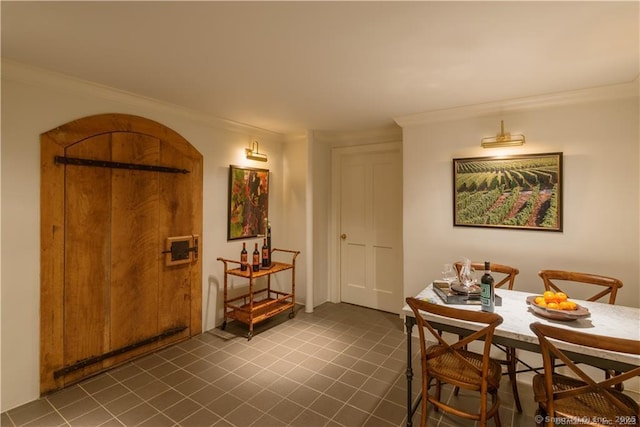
(502, 139)
(254, 154)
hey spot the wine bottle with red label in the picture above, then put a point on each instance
(266, 262)
(243, 257)
(256, 259)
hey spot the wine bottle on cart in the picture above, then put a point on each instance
(487, 291)
(256, 259)
(265, 254)
(243, 257)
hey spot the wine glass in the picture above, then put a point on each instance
(449, 274)
(468, 277)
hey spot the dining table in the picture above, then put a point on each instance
(603, 319)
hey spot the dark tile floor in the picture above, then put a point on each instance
(341, 365)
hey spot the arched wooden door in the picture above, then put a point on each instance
(116, 191)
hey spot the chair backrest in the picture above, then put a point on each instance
(547, 333)
(491, 320)
(506, 274)
(610, 284)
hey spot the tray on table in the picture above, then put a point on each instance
(447, 296)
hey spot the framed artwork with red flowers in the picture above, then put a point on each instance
(248, 202)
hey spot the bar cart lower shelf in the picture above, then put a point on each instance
(258, 305)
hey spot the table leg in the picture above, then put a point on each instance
(409, 322)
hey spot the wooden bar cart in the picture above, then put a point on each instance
(258, 305)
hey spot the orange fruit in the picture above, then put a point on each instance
(561, 296)
(549, 296)
(572, 305)
(540, 301)
(564, 305)
(553, 305)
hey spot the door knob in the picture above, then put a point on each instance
(343, 236)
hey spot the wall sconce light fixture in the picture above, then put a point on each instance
(254, 154)
(502, 139)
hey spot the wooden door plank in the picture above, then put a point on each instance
(87, 252)
(51, 263)
(196, 195)
(181, 214)
(134, 241)
(176, 212)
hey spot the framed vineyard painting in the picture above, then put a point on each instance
(523, 191)
(248, 202)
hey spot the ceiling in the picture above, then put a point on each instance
(290, 67)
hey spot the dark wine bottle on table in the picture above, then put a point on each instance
(243, 257)
(487, 291)
(256, 259)
(265, 254)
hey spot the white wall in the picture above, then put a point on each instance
(321, 178)
(597, 130)
(296, 214)
(33, 102)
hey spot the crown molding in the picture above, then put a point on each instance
(46, 79)
(600, 93)
(373, 136)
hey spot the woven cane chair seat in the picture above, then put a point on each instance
(592, 406)
(448, 368)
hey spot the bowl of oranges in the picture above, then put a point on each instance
(557, 306)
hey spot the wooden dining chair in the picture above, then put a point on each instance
(557, 280)
(503, 275)
(554, 279)
(578, 398)
(451, 363)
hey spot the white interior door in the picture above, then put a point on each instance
(371, 229)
